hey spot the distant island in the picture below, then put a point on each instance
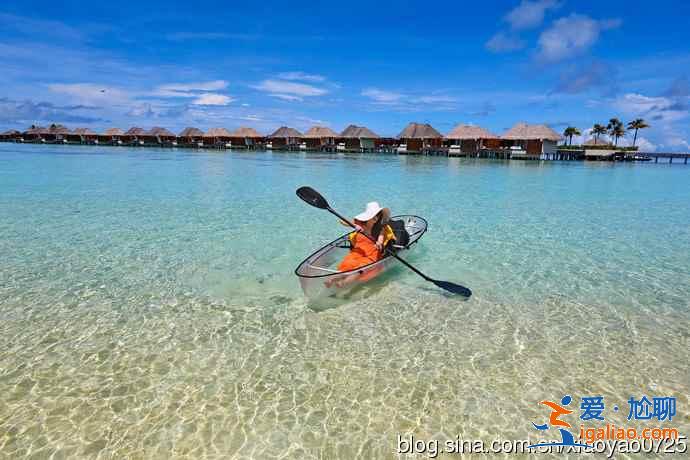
(522, 141)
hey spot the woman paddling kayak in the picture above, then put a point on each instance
(374, 222)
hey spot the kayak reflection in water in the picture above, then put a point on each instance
(374, 222)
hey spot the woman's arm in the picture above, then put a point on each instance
(357, 227)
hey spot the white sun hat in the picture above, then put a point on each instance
(371, 211)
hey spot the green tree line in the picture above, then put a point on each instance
(615, 129)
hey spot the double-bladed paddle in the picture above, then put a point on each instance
(314, 198)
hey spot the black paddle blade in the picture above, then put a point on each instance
(452, 287)
(312, 197)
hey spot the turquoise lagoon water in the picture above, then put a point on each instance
(148, 307)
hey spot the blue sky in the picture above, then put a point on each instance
(379, 64)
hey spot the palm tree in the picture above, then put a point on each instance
(636, 124)
(571, 131)
(616, 129)
(598, 130)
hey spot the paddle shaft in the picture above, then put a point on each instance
(388, 251)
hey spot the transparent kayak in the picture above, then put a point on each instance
(318, 274)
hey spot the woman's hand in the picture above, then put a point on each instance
(379, 243)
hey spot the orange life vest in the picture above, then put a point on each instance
(364, 251)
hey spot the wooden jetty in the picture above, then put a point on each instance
(671, 156)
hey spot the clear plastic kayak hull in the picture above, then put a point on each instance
(318, 274)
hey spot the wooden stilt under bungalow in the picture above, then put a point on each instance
(530, 141)
(469, 140)
(112, 136)
(357, 139)
(191, 137)
(219, 138)
(320, 138)
(134, 137)
(285, 138)
(421, 138)
(246, 138)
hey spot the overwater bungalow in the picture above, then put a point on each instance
(57, 134)
(469, 140)
(111, 136)
(82, 136)
(11, 135)
(419, 138)
(35, 134)
(161, 136)
(319, 138)
(218, 138)
(245, 138)
(133, 136)
(191, 137)
(284, 138)
(530, 141)
(357, 139)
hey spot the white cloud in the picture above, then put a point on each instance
(91, 93)
(502, 42)
(289, 90)
(676, 141)
(189, 89)
(143, 110)
(286, 97)
(301, 76)
(434, 99)
(391, 100)
(643, 144)
(529, 14)
(571, 36)
(656, 108)
(30, 112)
(381, 96)
(212, 99)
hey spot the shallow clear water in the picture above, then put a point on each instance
(148, 306)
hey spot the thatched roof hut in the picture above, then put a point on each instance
(58, 129)
(135, 131)
(286, 132)
(594, 141)
(113, 132)
(523, 131)
(419, 131)
(360, 132)
(320, 132)
(37, 130)
(10, 134)
(470, 132)
(217, 132)
(250, 133)
(83, 132)
(162, 132)
(191, 132)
